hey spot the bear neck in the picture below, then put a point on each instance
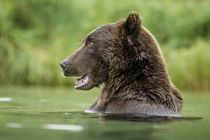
(146, 77)
(120, 84)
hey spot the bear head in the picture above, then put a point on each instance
(106, 51)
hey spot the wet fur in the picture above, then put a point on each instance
(131, 67)
(138, 80)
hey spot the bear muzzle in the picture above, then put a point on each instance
(82, 83)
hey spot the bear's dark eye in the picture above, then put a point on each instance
(89, 41)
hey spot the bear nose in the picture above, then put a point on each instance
(63, 64)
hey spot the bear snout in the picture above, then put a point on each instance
(63, 64)
(69, 70)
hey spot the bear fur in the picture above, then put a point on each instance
(126, 58)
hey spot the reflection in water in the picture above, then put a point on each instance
(29, 117)
(5, 99)
(123, 117)
(140, 134)
(100, 126)
(144, 118)
(63, 127)
(14, 125)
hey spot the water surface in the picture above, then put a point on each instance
(49, 113)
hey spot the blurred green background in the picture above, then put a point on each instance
(35, 35)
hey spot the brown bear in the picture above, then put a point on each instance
(126, 58)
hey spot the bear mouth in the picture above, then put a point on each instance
(83, 83)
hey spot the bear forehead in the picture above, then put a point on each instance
(102, 30)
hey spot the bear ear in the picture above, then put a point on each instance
(132, 24)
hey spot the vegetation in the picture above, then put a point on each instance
(36, 35)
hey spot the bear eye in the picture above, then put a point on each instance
(89, 41)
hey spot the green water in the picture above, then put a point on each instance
(48, 113)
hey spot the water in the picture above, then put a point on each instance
(44, 113)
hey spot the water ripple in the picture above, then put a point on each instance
(64, 127)
(5, 99)
(14, 125)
